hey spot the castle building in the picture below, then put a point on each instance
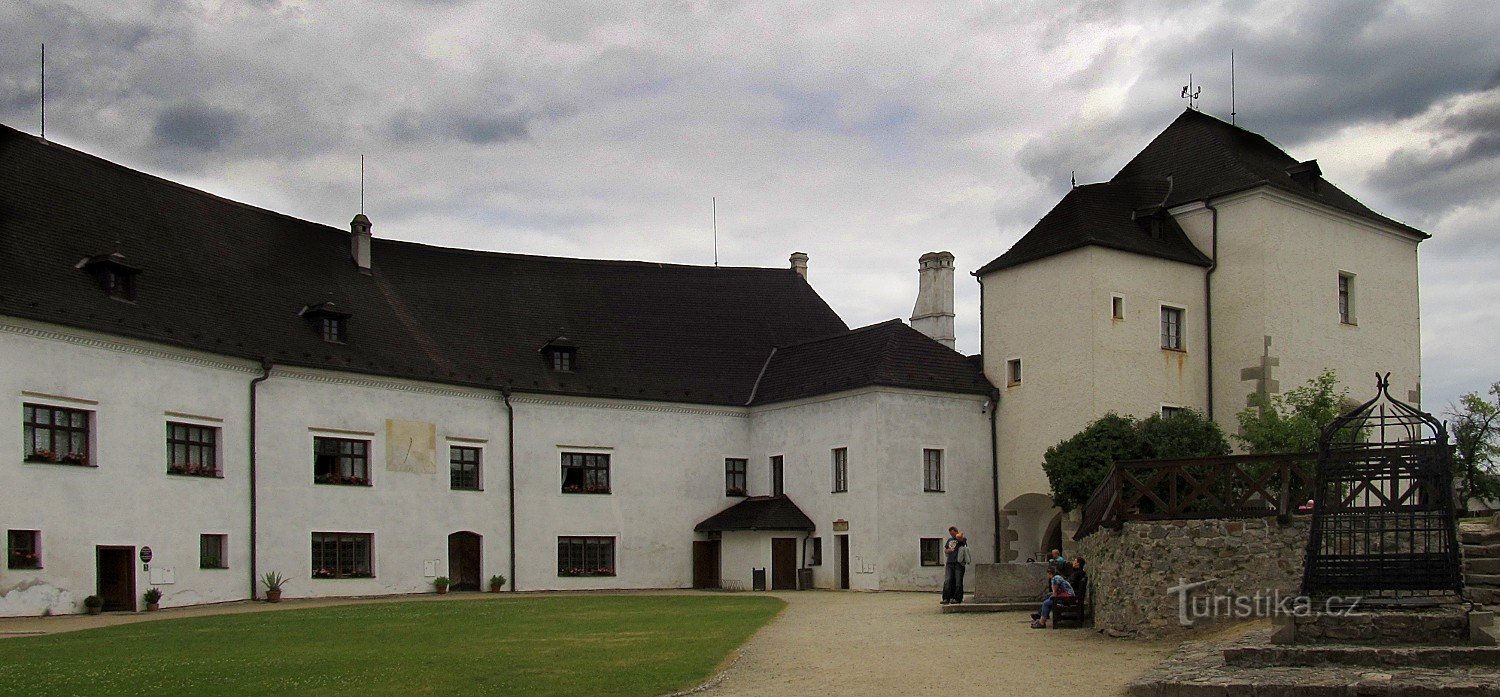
(209, 391)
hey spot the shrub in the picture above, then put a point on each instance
(1075, 467)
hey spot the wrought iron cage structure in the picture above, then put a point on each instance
(1383, 524)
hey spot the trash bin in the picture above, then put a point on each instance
(757, 579)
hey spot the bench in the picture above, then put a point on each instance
(1075, 609)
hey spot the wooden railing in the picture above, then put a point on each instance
(1232, 486)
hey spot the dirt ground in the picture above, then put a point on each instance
(841, 643)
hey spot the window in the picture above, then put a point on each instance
(56, 434)
(840, 470)
(932, 551)
(342, 554)
(24, 550)
(1169, 412)
(332, 329)
(1117, 307)
(1013, 372)
(211, 551)
(932, 470)
(463, 467)
(1346, 298)
(776, 480)
(736, 479)
(561, 355)
(585, 556)
(815, 552)
(192, 450)
(562, 360)
(341, 461)
(585, 473)
(1171, 328)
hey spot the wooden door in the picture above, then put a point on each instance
(115, 567)
(464, 561)
(706, 563)
(843, 543)
(783, 563)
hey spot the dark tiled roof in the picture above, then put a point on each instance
(229, 278)
(1104, 215)
(889, 353)
(759, 513)
(1208, 157)
(1205, 158)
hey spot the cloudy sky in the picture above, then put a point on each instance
(861, 133)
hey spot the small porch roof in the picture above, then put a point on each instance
(759, 513)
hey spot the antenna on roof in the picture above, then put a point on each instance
(1231, 88)
(1073, 178)
(43, 99)
(361, 183)
(1191, 93)
(715, 200)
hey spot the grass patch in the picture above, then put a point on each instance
(560, 645)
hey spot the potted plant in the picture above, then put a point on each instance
(93, 604)
(496, 583)
(273, 582)
(441, 583)
(153, 599)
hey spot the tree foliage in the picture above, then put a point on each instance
(1475, 428)
(1076, 466)
(1292, 421)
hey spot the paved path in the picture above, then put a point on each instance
(842, 643)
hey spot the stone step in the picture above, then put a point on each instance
(991, 607)
(1481, 551)
(1481, 565)
(1492, 580)
(1478, 535)
(1412, 657)
(1483, 596)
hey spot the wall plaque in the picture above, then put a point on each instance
(840, 525)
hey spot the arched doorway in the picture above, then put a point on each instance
(464, 560)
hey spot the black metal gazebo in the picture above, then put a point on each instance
(1383, 523)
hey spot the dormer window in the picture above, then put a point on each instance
(114, 276)
(561, 355)
(1306, 174)
(330, 324)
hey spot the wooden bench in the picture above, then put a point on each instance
(1075, 609)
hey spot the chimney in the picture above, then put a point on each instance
(359, 242)
(933, 314)
(799, 264)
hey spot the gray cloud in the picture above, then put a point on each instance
(195, 126)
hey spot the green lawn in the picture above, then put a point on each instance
(560, 645)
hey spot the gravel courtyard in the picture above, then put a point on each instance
(840, 643)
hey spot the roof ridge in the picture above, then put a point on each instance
(846, 332)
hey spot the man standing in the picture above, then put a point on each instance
(956, 558)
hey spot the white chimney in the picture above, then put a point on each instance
(799, 263)
(933, 314)
(359, 242)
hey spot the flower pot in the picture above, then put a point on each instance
(442, 590)
(93, 610)
(153, 607)
(273, 596)
(494, 589)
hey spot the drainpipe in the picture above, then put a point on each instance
(995, 466)
(265, 367)
(510, 442)
(1208, 307)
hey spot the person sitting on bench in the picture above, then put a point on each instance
(1061, 590)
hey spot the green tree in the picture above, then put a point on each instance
(1076, 466)
(1475, 428)
(1291, 422)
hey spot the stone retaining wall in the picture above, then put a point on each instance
(1243, 567)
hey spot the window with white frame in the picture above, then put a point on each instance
(932, 469)
(1346, 298)
(1171, 328)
